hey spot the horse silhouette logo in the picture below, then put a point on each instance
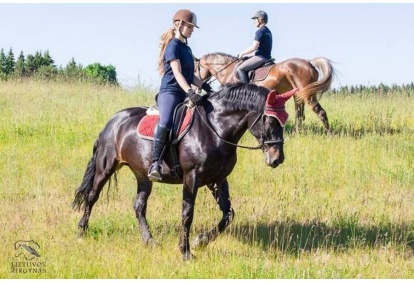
(27, 249)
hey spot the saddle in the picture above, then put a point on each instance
(258, 74)
(182, 121)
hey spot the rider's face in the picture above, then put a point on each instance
(187, 30)
(256, 22)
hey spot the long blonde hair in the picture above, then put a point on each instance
(166, 37)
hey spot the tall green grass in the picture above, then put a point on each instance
(339, 207)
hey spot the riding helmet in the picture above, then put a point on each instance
(186, 16)
(261, 15)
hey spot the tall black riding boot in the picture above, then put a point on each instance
(243, 77)
(160, 140)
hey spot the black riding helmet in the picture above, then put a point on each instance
(261, 15)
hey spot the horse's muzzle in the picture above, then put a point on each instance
(274, 156)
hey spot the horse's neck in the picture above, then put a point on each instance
(233, 124)
(224, 73)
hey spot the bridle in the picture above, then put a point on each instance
(262, 142)
(210, 80)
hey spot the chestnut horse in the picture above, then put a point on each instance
(206, 154)
(282, 77)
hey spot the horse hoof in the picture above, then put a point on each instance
(82, 232)
(188, 256)
(152, 243)
(201, 241)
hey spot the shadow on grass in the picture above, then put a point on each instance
(340, 129)
(293, 237)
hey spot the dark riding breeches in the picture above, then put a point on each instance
(167, 101)
(249, 64)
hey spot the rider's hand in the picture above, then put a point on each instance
(195, 98)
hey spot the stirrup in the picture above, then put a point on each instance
(154, 173)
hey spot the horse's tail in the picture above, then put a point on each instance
(326, 75)
(82, 192)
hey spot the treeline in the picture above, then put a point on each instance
(42, 66)
(379, 89)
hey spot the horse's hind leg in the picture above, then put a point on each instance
(105, 167)
(300, 115)
(221, 195)
(143, 192)
(317, 108)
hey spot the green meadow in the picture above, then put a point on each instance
(341, 205)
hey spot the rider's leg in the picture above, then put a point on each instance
(160, 139)
(246, 66)
(167, 101)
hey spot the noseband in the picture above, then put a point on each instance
(263, 142)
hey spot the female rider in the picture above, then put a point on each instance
(262, 45)
(176, 65)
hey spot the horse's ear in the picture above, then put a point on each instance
(271, 97)
(288, 94)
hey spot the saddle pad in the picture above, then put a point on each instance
(147, 125)
(261, 73)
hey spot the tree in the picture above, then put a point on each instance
(20, 68)
(10, 63)
(47, 59)
(102, 74)
(3, 63)
(73, 70)
(31, 66)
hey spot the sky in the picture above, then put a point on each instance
(369, 43)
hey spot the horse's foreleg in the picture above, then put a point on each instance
(317, 108)
(189, 196)
(140, 206)
(221, 195)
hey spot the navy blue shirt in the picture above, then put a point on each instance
(177, 49)
(264, 37)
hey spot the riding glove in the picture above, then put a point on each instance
(195, 98)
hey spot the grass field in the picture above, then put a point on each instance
(339, 207)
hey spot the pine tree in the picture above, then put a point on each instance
(10, 63)
(2, 63)
(30, 64)
(47, 59)
(73, 70)
(20, 69)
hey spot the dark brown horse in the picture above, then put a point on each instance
(282, 77)
(206, 154)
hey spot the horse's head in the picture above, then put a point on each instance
(270, 132)
(218, 65)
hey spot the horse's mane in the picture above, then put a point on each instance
(242, 96)
(219, 58)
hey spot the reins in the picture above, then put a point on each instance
(262, 141)
(213, 75)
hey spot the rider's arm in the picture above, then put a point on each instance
(251, 49)
(176, 68)
(197, 82)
